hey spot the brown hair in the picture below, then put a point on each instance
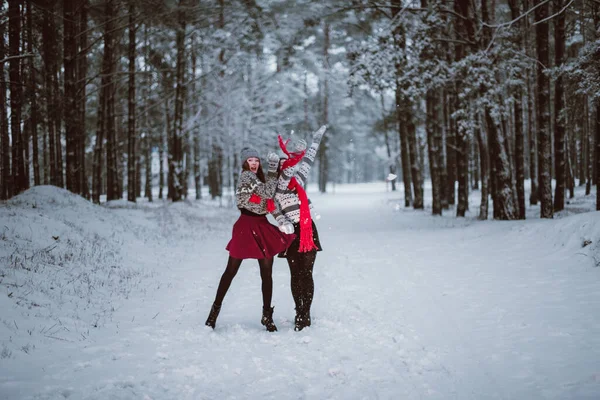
(259, 172)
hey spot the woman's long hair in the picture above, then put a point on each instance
(259, 172)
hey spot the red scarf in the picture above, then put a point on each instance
(306, 232)
(293, 157)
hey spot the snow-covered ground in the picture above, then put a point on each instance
(109, 302)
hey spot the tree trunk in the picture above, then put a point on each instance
(6, 184)
(597, 153)
(504, 207)
(451, 151)
(570, 171)
(402, 113)
(132, 181)
(177, 171)
(196, 130)
(484, 162)
(82, 67)
(464, 30)
(32, 88)
(404, 147)
(323, 159)
(391, 164)
(99, 148)
(474, 161)
(148, 133)
(518, 118)
(559, 108)
(434, 147)
(70, 95)
(18, 163)
(543, 115)
(442, 159)
(112, 170)
(49, 55)
(533, 160)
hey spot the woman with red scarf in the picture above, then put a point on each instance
(253, 236)
(292, 213)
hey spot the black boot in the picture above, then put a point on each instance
(212, 317)
(267, 319)
(302, 319)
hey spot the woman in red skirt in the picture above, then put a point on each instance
(253, 235)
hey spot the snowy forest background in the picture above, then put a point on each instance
(471, 95)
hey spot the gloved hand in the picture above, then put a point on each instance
(273, 161)
(319, 133)
(287, 228)
(300, 145)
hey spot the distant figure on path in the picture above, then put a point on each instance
(292, 213)
(253, 236)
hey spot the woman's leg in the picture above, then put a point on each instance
(308, 284)
(266, 275)
(233, 266)
(302, 284)
(295, 281)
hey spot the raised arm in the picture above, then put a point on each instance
(307, 161)
(309, 157)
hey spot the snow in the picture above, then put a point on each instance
(109, 302)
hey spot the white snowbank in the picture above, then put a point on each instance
(109, 302)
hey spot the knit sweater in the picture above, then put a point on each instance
(287, 205)
(251, 194)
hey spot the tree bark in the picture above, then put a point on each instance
(597, 153)
(484, 165)
(504, 207)
(403, 114)
(196, 130)
(531, 119)
(32, 87)
(14, 33)
(82, 67)
(132, 181)
(70, 95)
(464, 32)
(451, 151)
(148, 133)
(6, 183)
(392, 166)
(518, 117)
(112, 170)
(177, 171)
(49, 55)
(543, 114)
(559, 108)
(588, 149)
(323, 159)
(434, 147)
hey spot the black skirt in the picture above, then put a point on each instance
(292, 250)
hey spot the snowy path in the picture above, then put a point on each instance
(407, 306)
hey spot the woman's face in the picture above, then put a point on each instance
(253, 163)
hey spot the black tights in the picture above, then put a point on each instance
(233, 266)
(303, 286)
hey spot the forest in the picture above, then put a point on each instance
(151, 99)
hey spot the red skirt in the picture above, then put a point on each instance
(253, 236)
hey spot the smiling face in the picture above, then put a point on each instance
(253, 164)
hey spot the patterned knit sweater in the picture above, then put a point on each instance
(287, 204)
(252, 194)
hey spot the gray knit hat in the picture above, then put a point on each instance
(248, 152)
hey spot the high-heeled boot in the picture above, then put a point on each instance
(212, 316)
(267, 319)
